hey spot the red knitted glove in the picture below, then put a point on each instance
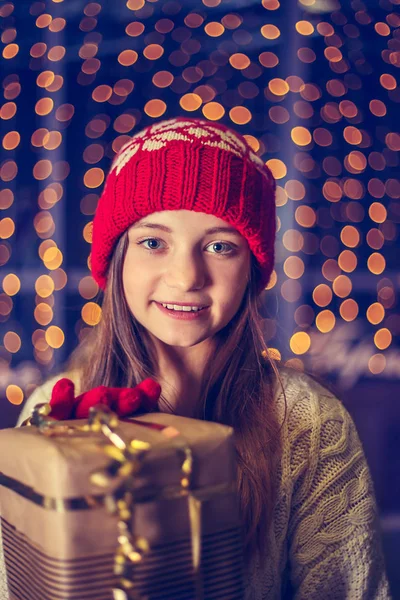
(123, 401)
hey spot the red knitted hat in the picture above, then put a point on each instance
(192, 164)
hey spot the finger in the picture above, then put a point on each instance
(84, 403)
(152, 391)
(62, 399)
(128, 401)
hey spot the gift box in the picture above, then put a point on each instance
(110, 508)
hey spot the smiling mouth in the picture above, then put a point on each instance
(182, 308)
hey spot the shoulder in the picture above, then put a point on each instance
(317, 427)
(321, 448)
(306, 401)
(43, 393)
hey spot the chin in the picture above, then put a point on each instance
(178, 342)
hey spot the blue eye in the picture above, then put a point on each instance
(149, 240)
(229, 246)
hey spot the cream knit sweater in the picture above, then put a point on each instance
(324, 541)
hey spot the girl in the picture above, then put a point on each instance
(183, 245)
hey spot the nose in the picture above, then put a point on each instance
(186, 271)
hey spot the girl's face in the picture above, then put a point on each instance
(174, 258)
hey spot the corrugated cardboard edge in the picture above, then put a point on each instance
(3, 574)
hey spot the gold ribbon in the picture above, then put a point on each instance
(127, 458)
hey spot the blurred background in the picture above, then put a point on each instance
(312, 84)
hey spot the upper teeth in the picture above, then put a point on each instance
(185, 308)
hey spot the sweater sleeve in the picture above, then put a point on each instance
(334, 544)
(43, 394)
(39, 395)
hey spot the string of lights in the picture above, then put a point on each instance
(315, 93)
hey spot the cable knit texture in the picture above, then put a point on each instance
(324, 540)
(187, 164)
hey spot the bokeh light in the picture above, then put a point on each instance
(322, 119)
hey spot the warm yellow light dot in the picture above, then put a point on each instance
(88, 288)
(54, 336)
(293, 240)
(239, 61)
(375, 313)
(153, 51)
(10, 51)
(7, 228)
(240, 115)
(53, 258)
(52, 140)
(91, 313)
(44, 106)
(357, 161)
(11, 140)
(134, 29)
(293, 267)
(42, 169)
(304, 27)
(377, 364)
(126, 58)
(190, 102)
(274, 354)
(14, 394)
(88, 232)
(135, 4)
(278, 86)
(382, 28)
(214, 29)
(382, 338)
(252, 141)
(8, 111)
(270, 32)
(325, 321)
(272, 280)
(333, 54)
(378, 108)
(278, 167)
(102, 93)
(305, 216)
(388, 81)
(155, 108)
(301, 136)
(12, 342)
(332, 191)
(342, 286)
(213, 111)
(350, 236)
(300, 342)
(295, 189)
(377, 212)
(295, 363)
(347, 261)
(348, 309)
(56, 53)
(322, 295)
(352, 135)
(59, 278)
(43, 313)
(268, 60)
(376, 263)
(44, 286)
(11, 284)
(43, 20)
(93, 178)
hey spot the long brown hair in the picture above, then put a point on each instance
(237, 388)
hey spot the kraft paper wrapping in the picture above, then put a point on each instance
(76, 525)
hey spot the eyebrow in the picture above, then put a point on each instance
(168, 230)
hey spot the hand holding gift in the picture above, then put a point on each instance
(123, 401)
